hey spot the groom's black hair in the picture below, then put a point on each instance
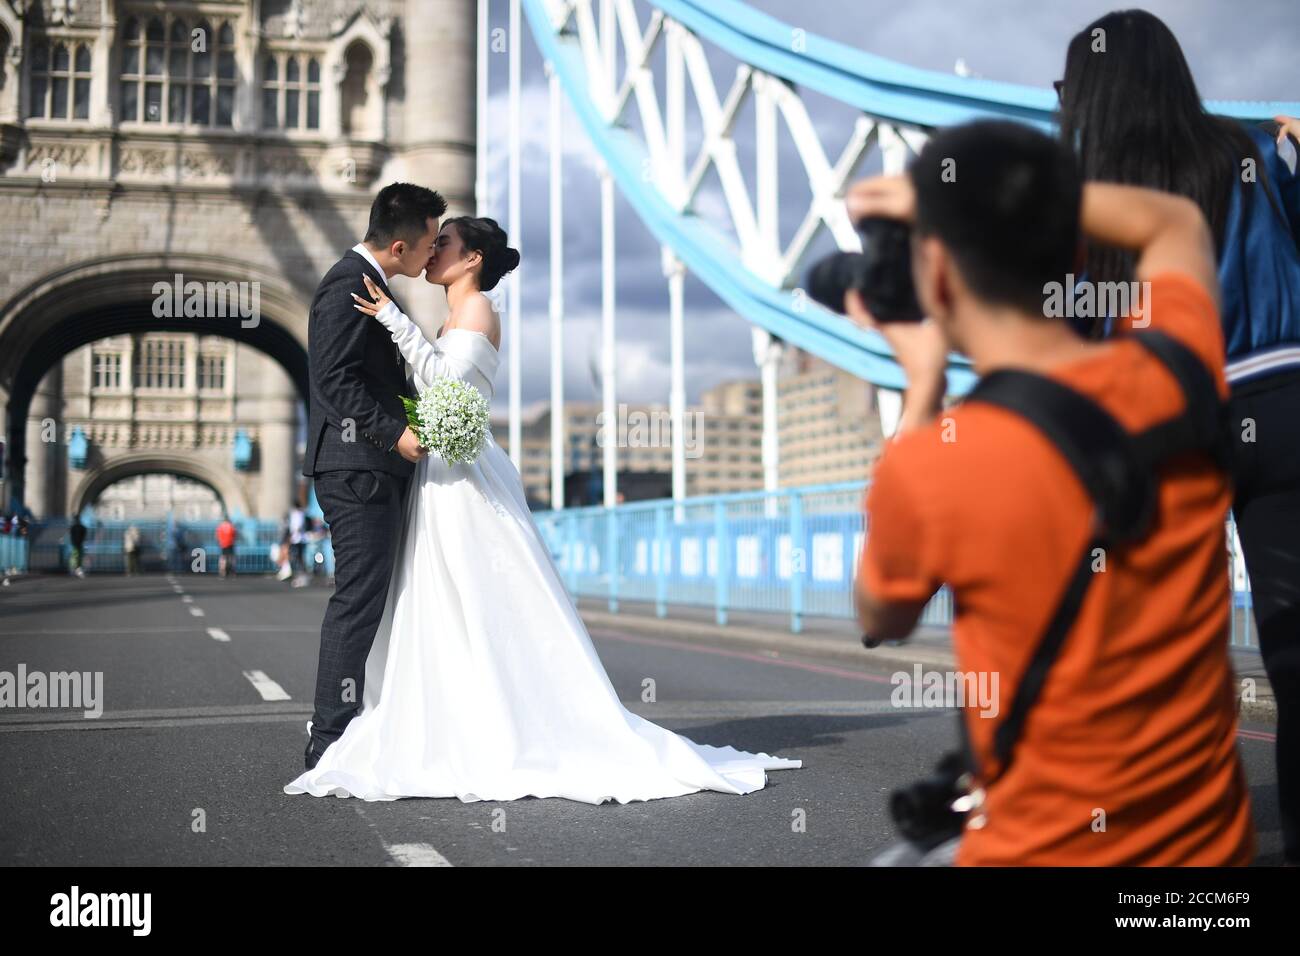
(1004, 198)
(402, 211)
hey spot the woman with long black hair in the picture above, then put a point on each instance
(1130, 108)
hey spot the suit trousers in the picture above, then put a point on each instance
(364, 511)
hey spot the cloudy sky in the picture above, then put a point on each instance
(1237, 50)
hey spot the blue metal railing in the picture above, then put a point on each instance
(792, 552)
(13, 554)
(164, 546)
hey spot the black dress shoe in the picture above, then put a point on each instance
(310, 756)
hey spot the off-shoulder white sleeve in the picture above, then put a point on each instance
(426, 358)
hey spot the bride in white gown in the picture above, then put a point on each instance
(482, 682)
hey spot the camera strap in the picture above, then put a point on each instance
(1117, 468)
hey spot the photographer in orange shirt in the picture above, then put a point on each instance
(1134, 725)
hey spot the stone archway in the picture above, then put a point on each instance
(225, 482)
(91, 300)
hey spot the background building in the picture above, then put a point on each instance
(724, 435)
(829, 424)
(829, 431)
(130, 400)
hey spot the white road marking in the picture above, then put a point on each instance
(268, 688)
(217, 634)
(187, 599)
(416, 854)
(196, 611)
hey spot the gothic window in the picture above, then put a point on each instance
(108, 371)
(178, 72)
(160, 363)
(290, 91)
(212, 372)
(60, 81)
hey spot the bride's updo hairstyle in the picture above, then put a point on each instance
(484, 236)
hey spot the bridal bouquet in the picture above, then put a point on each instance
(450, 418)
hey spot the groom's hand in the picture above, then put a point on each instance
(409, 447)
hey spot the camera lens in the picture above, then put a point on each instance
(882, 273)
(830, 278)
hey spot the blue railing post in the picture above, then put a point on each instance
(571, 537)
(723, 566)
(798, 560)
(661, 560)
(611, 552)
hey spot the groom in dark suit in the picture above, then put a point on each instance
(360, 450)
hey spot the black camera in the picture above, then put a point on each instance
(881, 272)
(934, 808)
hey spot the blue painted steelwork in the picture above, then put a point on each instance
(707, 252)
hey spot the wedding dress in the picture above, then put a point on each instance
(483, 683)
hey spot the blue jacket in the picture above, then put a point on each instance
(1259, 272)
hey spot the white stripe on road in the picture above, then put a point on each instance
(196, 611)
(187, 599)
(217, 634)
(416, 854)
(139, 631)
(268, 688)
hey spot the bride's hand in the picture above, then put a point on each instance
(376, 301)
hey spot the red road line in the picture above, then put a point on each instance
(1257, 735)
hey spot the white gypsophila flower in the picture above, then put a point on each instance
(453, 420)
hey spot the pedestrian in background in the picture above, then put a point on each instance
(131, 546)
(77, 539)
(226, 541)
(178, 548)
(285, 556)
(298, 545)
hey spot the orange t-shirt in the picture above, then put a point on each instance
(226, 534)
(1135, 728)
